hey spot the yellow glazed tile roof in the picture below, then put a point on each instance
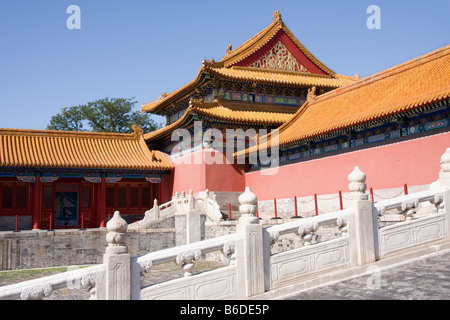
(282, 77)
(236, 112)
(250, 75)
(242, 113)
(69, 149)
(397, 90)
(173, 96)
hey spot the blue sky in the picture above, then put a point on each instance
(140, 48)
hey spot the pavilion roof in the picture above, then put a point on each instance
(70, 149)
(396, 91)
(236, 65)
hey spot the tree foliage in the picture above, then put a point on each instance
(103, 115)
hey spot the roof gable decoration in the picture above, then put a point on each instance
(271, 39)
(279, 58)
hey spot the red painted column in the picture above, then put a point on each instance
(36, 215)
(275, 208)
(161, 199)
(97, 209)
(102, 203)
(152, 194)
(315, 204)
(295, 206)
(50, 227)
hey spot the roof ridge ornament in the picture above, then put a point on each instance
(195, 102)
(154, 158)
(229, 49)
(277, 16)
(206, 62)
(138, 132)
(311, 93)
(162, 96)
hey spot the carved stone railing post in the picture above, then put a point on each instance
(175, 200)
(191, 200)
(444, 173)
(193, 221)
(442, 202)
(150, 215)
(357, 185)
(363, 228)
(155, 209)
(117, 260)
(249, 248)
(206, 197)
(183, 195)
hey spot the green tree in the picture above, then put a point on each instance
(103, 115)
(69, 119)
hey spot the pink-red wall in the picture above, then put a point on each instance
(414, 162)
(188, 175)
(164, 191)
(207, 169)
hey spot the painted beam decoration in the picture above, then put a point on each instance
(425, 127)
(257, 98)
(367, 136)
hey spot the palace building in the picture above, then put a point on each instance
(394, 125)
(51, 179)
(259, 85)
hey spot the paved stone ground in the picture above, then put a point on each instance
(420, 279)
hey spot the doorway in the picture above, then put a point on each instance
(66, 209)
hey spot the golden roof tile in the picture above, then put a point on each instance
(239, 112)
(229, 111)
(173, 96)
(282, 77)
(69, 149)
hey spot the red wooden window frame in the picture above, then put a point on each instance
(128, 196)
(15, 205)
